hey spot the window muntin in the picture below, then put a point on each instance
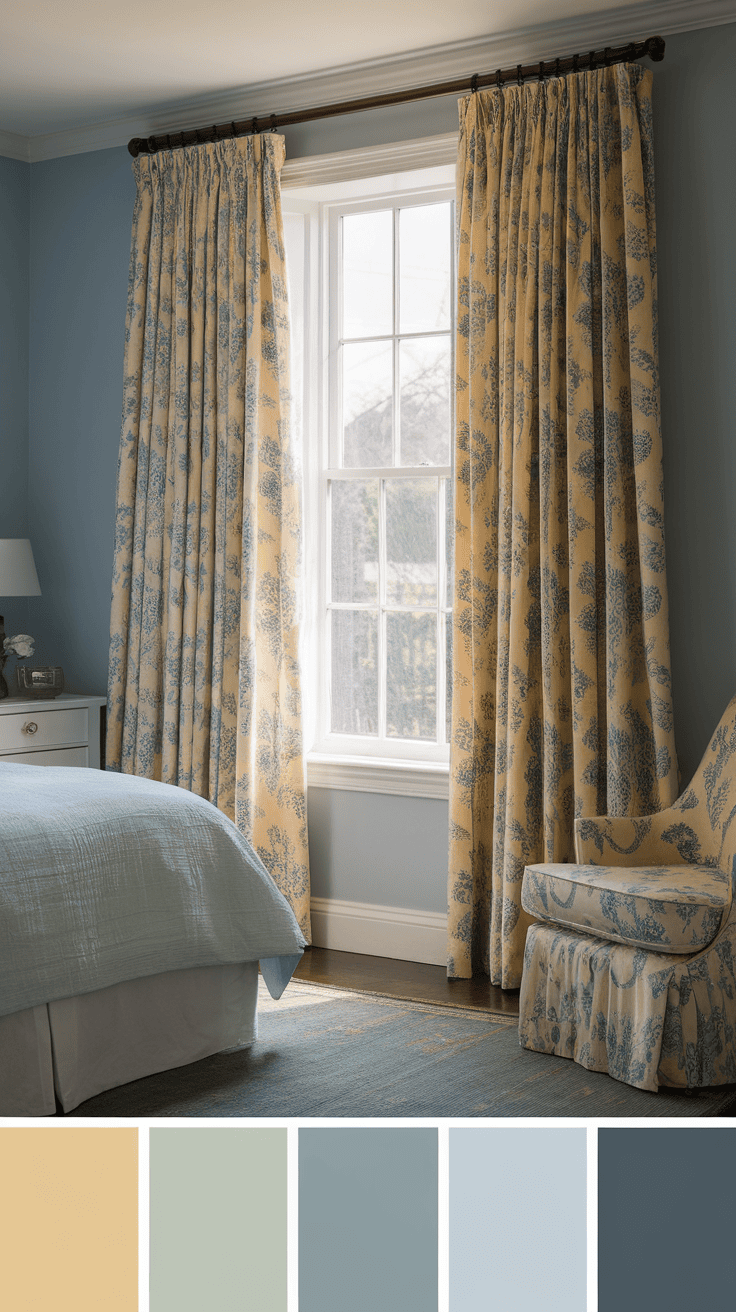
(387, 489)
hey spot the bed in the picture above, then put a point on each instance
(133, 918)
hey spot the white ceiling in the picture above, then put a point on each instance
(66, 65)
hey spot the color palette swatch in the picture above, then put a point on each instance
(69, 1219)
(666, 1218)
(518, 1224)
(408, 1218)
(368, 1220)
(218, 1219)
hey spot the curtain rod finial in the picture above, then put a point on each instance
(655, 48)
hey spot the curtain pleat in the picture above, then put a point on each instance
(561, 700)
(204, 681)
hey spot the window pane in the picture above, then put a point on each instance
(449, 541)
(367, 390)
(354, 540)
(448, 677)
(411, 673)
(411, 542)
(425, 238)
(424, 371)
(354, 672)
(367, 274)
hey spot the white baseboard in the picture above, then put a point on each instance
(379, 931)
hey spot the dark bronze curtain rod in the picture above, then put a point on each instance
(653, 47)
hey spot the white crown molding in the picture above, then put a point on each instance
(14, 146)
(373, 77)
(378, 931)
(399, 778)
(370, 161)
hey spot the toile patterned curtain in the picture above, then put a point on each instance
(204, 684)
(561, 700)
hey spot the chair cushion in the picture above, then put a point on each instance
(662, 908)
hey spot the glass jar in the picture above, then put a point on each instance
(43, 681)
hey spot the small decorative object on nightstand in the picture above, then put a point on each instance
(18, 578)
(43, 681)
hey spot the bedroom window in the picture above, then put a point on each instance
(378, 455)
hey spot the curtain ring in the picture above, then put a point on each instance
(557, 66)
(214, 132)
(607, 56)
(474, 84)
(499, 79)
(575, 59)
(631, 52)
(591, 60)
(152, 145)
(273, 123)
(541, 70)
(254, 126)
(519, 78)
(233, 128)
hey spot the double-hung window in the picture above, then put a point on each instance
(378, 353)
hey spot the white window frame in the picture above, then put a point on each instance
(313, 200)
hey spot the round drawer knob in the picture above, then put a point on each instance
(30, 727)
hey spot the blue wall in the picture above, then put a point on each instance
(14, 262)
(81, 208)
(694, 134)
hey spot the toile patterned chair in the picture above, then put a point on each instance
(631, 968)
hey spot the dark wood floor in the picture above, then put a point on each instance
(412, 981)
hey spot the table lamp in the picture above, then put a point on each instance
(18, 578)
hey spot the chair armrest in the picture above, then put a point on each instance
(663, 839)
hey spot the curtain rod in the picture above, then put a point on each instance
(653, 46)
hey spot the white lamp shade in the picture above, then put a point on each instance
(18, 577)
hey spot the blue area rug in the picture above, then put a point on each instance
(328, 1052)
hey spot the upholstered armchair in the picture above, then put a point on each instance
(631, 966)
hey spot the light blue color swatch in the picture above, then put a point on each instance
(518, 1238)
(368, 1220)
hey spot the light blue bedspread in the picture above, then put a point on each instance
(106, 877)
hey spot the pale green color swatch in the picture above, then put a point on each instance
(218, 1217)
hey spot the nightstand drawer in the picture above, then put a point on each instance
(33, 729)
(65, 756)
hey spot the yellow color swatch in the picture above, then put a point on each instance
(68, 1220)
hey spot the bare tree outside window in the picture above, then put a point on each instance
(390, 500)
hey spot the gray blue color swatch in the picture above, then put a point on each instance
(368, 1220)
(518, 1237)
(666, 1219)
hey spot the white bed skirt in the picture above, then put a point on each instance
(76, 1048)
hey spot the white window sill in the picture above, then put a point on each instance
(360, 774)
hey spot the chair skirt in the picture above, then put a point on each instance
(646, 1018)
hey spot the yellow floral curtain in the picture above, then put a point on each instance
(203, 684)
(562, 701)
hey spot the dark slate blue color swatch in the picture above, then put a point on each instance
(666, 1219)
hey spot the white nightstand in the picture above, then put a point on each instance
(63, 730)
